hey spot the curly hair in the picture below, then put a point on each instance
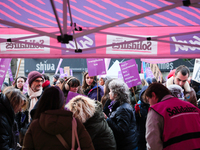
(121, 91)
(82, 107)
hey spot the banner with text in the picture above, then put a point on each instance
(130, 73)
(96, 66)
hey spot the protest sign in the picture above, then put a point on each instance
(71, 95)
(10, 74)
(149, 73)
(196, 70)
(4, 64)
(96, 66)
(25, 87)
(130, 73)
(67, 70)
(156, 72)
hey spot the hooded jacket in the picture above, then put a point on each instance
(92, 92)
(101, 134)
(189, 93)
(8, 128)
(42, 132)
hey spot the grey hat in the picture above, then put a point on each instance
(176, 91)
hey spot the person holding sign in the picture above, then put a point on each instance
(90, 87)
(71, 84)
(122, 119)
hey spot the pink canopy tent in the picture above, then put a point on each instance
(110, 29)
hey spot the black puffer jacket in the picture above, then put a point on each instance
(8, 128)
(100, 133)
(123, 123)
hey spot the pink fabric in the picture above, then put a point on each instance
(179, 118)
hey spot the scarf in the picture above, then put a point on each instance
(33, 96)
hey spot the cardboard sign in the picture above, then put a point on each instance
(67, 70)
(96, 66)
(156, 72)
(130, 73)
(196, 71)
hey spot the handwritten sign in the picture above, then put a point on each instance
(130, 73)
(156, 72)
(96, 66)
(196, 70)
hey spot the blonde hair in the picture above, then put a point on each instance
(82, 107)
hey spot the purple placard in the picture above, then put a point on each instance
(120, 75)
(71, 72)
(4, 64)
(25, 87)
(96, 66)
(130, 73)
(71, 95)
(61, 71)
(10, 74)
(87, 41)
(149, 73)
(183, 49)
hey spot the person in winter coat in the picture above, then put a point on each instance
(90, 87)
(141, 110)
(11, 102)
(105, 100)
(71, 84)
(50, 120)
(122, 118)
(180, 78)
(89, 112)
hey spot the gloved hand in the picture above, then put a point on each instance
(137, 108)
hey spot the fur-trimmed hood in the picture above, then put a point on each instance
(186, 86)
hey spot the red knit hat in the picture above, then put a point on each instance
(171, 73)
(33, 75)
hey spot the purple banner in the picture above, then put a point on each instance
(149, 73)
(4, 65)
(61, 71)
(181, 49)
(96, 66)
(71, 95)
(25, 87)
(130, 73)
(10, 74)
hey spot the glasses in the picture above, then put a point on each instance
(38, 81)
(57, 82)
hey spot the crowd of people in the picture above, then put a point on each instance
(108, 114)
